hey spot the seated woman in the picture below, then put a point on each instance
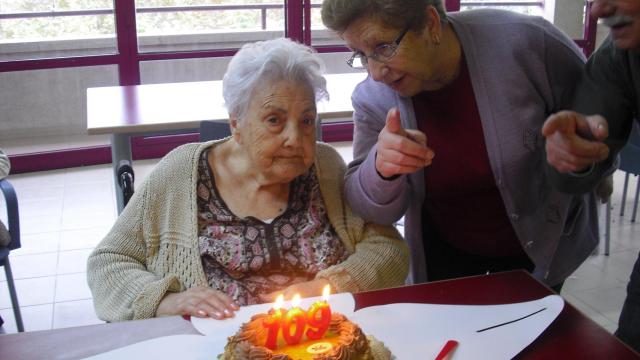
(228, 223)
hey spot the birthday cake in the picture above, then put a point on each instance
(342, 340)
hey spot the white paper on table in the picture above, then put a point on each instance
(175, 347)
(410, 331)
(342, 303)
(419, 331)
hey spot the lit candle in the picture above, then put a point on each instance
(273, 322)
(319, 316)
(295, 320)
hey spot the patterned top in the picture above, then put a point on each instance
(246, 257)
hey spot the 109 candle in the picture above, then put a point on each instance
(293, 323)
(273, 323)
(319, 317)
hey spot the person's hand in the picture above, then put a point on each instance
(574, 141)
(199, 302)
(305, 289)
(401, 151)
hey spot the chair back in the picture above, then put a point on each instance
(630, 153)
(12, 213)
(213, 130)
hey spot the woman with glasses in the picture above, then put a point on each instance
(447, 134)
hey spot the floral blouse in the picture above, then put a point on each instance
(246, 257)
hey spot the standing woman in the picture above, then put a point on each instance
(447, 133)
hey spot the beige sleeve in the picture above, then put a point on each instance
(380, 260)
(117, 274)
(379, 256)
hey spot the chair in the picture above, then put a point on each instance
(209, 130)
(125, 180)
(629, 163)
(213, 130)
(14, 230)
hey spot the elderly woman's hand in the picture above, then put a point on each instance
(305, 289)
(401, 151)
(198, 301)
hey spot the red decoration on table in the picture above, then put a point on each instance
(447, 350)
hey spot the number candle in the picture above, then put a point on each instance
(294, 318)
(321, 323)
(273, 322)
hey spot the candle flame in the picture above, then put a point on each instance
(325, 292)
(279, 301)
(296, 300)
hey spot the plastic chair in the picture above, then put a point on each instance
(629, 163)
(125, 180)
(14, 230)
(213, 130)
(209, 130)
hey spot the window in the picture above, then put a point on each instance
(191, 25)
(56, 28)
(527, 7)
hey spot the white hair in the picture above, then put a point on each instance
(273, 60)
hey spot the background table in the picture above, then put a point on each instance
(571, 336)
(159, 109)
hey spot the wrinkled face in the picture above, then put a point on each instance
(278, 130)
(623, 17)
(411, 70)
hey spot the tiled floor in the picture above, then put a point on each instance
(64, 213)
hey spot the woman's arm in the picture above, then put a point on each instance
(382, 201)
(122, 286)
(380, 260)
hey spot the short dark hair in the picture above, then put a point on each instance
(338, 14)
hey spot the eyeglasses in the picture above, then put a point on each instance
(382, 53)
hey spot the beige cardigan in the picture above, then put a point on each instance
(153, 249)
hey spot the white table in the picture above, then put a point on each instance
(125, 111)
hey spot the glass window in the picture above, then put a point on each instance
(320, 35)
(191, 25)
(33, 29)
(527, 7)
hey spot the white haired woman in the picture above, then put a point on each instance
(228, 223)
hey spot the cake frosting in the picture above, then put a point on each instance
(344, 341)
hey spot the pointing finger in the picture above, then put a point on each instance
(393, 123)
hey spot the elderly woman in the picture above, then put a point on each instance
(447, 133)
(223, 224)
